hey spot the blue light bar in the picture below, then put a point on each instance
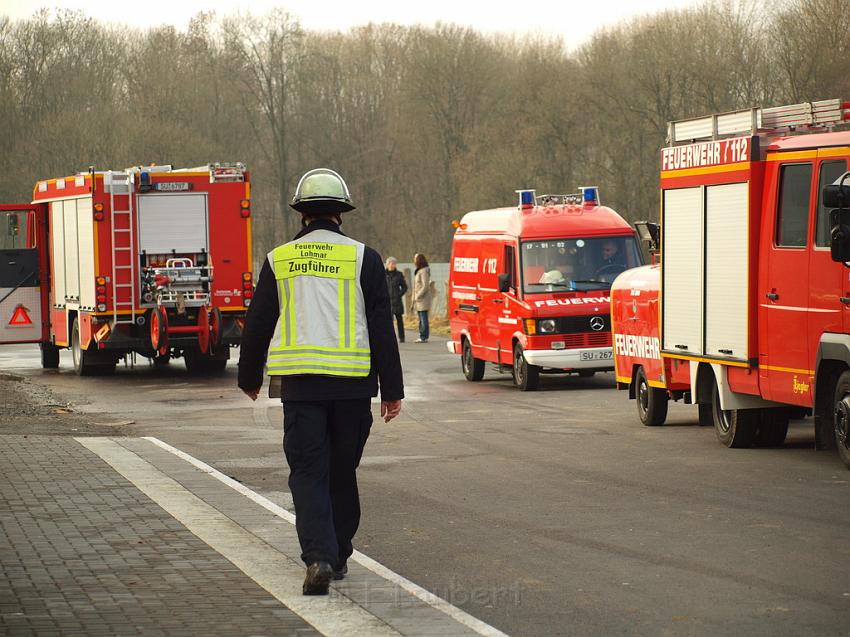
(526, 197)
(590, 194)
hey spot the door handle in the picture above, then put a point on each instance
(497, 301)
(773, 296)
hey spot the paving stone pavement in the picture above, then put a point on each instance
(84, 551)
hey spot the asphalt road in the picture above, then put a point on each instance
(541, 513)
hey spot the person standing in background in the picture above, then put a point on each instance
(398, 288)
(422, 295)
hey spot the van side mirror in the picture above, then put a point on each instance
(650, 233)
(14, 225)
(839, 244)
(504, 282)
(835, 196)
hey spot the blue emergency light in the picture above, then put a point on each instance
(590, 195)
(526, 197)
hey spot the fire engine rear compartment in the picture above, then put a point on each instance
(706, 279)
(131, 263)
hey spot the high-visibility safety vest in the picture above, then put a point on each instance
(322, 325)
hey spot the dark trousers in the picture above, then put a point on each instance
(323, 442)
(399, 321)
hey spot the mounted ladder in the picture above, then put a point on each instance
(124, 274)
(808, 116)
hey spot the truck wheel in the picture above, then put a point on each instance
(651, 401)
(772, 428)
(473, 368)
(526, 376)
(161, 360)
(841, 417)
(198, 363)
(706, 416)
(85, 361)
(735, 428)
(49, 356)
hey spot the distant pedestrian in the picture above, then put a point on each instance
(422, 295)
(398, 288)
(320, 322)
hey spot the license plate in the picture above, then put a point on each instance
(597, 356)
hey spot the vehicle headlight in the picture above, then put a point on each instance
(546, 326)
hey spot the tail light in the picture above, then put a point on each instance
(245, 208)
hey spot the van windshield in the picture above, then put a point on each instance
(576, 264)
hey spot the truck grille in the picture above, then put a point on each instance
(591, 339)
(580, 324)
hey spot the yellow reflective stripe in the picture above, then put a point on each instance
(316, 371)
(340, 304)
(304, 348)
(355, 358)
(352, 324)
(291, 308)
(283, 293)
(272, 366)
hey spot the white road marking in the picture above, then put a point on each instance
(417, 591)
(269, 568)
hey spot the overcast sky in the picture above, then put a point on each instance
(574, 20)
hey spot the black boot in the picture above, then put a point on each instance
(341, 571)
(318, 577)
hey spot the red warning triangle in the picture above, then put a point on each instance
(20, 316)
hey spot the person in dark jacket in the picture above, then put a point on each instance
(397, 286)
(320, 323)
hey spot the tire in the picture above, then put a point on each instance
(195, 361)
(49, 356)
(198, 364)
(841, 417)
(651, 401)
(735, 428)
(706, 415)
(773, 427)
(86, 363)
(216, 365)
(586, 373)
(473, 368)
(162, 360)
(526, 376)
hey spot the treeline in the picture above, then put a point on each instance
(424, 123)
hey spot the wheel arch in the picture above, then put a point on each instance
(832, 360)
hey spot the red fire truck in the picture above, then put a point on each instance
(529, 285)
(748, 315)
(149, 260)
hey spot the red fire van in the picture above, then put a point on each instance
(529, 286)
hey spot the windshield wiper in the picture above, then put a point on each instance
(593, 282)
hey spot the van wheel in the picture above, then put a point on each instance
(772, 428)
(473, 368)
(49, 356)
(841, 417)
(735, 428)
(651, 401)
(706, 416)
(526, 376)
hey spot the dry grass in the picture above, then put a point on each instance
(439, 325)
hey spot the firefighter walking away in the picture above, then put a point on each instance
(320, 322)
